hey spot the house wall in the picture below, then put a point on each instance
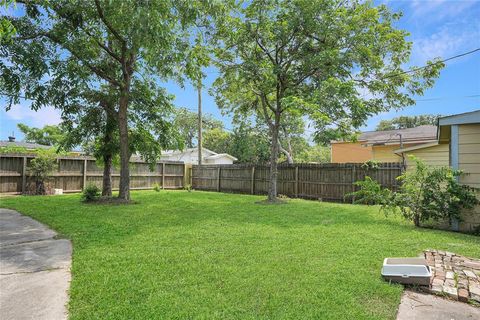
(437, 156)
(188, 156)
(343, 152)
(221, 160)
(469, 162)
(385, 153)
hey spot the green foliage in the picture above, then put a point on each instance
(431, 193)
(335, 63)
(188, 187)
(370, 192)
(313, 154)
(7, 30)
(49, 135)
(247, 143)
(186, 122)
(14, 149)
(426, 193)
(404, 122)
(217, 140)
(95, 52)
(157, 187)
(90, 193)
(370, 165)
(41, 168)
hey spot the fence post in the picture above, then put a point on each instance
(252, 187)
(163, 175)
(84, 173)
(24, 175)
(191, 175)
(353, 181)
(296, 181)
(218, 178)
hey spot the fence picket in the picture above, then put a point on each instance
(329, 181)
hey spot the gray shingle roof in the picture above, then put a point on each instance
(22, 144)
(421, 133)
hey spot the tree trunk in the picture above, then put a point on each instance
(107, 175)
(272, 190)
(416, 220)
(124, 189)
(287, 153)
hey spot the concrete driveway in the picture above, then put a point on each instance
(34, 269)
(422, 306)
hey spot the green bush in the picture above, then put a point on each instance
(90, 193)
(157, 187)
(425, 193)
(371, 192)
(41, 169)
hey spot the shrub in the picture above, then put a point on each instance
(157, 187)
(90, 193)
(371, 192)
(41, 168)
(425, 193)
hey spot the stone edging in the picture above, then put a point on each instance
(453, 275)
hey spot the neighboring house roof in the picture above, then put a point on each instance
(221, 155)
(418, 134)
(22, 144)
(418, 146)
(461, 118)
(207, 154)
(443, 123)
(172, 152)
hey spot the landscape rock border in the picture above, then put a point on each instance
(455, 276)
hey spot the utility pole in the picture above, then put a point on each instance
(199, 88)
(403, 154)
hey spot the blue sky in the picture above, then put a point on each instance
(438, 28)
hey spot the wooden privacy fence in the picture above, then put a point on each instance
(328, 182)
(74, 173)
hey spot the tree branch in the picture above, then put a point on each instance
(101, 14)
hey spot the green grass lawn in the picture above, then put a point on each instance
(200, 255)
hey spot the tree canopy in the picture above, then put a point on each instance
(186, 122)
(404, 122)
(49, 135)
(335, 62)
(126, 45)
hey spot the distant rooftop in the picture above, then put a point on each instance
(21, 144)
(417, 134)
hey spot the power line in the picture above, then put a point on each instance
(432, 64)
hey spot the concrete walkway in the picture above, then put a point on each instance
(422, 306)
(34, 269)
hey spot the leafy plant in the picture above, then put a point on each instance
(370, 165)
(371, 192)
(41, 168)
(425, 193)
(188, 187)
(157, 187)
(90, 193)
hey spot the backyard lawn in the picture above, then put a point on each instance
(204, 255)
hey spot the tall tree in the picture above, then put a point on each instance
(404, 122)
(336, 62)
(140, 40)
(187, 123)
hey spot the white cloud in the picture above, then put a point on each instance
(439, 9)
(451, 39)
(40, 118)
